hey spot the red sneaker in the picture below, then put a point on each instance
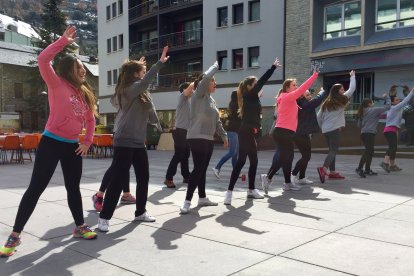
(336, 175)
(169, 183)
(322, 173)
(97, 202)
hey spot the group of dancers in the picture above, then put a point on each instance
(73, 106)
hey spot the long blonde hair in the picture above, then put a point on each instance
(241, 90)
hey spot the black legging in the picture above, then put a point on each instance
(123, 158)
(181, 154)
(369, 140)
(201, 150)
(247, 147)
(284, 139)
(107, 178)
(392, 144)
(303, 143)
(48, 154)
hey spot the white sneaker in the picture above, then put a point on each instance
(145, 217)
(186, 207)
(293, 178)
(304, 181)
(227, 198)
(291, 186)
(266, 182)
(202, 202)
(216, 172)
(254, 194)
(103, 225)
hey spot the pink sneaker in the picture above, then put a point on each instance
(336, 175)
(97, 202)
(129, 199)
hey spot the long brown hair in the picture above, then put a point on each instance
(241, 90)
(335, 100)
(126, 78)
(285, 86)
(364, 104)
(65, 70)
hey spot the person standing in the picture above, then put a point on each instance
(331, 119)
(250, 109)
(394, 118)
(368, 118)
(72, 105)
(286, 125)
(204, 123)
(179, 134)
(135, 110)
(233, 126)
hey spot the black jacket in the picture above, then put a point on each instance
(307, 121)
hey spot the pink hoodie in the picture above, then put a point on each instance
(69, 111)
(287, 108)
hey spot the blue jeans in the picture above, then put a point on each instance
(233, 150)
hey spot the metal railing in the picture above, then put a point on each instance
(152, 7)
(174, 80)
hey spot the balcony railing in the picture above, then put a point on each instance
(174, 80)
(174, 40)
(152, 6)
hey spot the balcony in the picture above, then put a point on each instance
(151, 7)
(173, 81)
(165, 4)
(186, 39)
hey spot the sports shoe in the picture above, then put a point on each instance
(227, 198)
(395, 168)
(322, 174)
(9, 247)
(254, 194)
(103, 225)
(293, 178)
(169, 183)
(216, 172)
(84, 232)
(360, 172)
(145, 217)
(97, 202)
(266, 182)
(202, 202)
(186, 207)
(129, 199)
(385, 166)
(304, 181)
(336, 175)
(370, 172)
(291, 186)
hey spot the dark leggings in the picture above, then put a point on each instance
(247, 147)
(392, 144)
(332, 139)
(181, 154)
(284, 139)
(48, 154)
(304, 145)
(201, 150)
(123, 158)
(106, 179)
(369, 140)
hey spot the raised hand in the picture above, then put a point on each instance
(277, 63)
(315, 69)
(142, 59)
(70, 33)
(352, 73)
(164, 56)
(216, 63)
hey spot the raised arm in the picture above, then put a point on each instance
(201, 89)
(316, 101)
(352, 85)
(405, 101)
(189, 90)
(266, 76)
(301, 89)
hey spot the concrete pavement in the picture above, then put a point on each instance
(350, 227)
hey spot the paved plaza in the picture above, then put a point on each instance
(350, 227)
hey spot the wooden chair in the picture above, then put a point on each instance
(11, 144)
(29, 145)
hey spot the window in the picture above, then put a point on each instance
(394, 14)
(192, 31)
(108, 12)
(114, 44)
(18, 90)
(342, 20)
(115, 76)
(237, 58)
(254, 10)
(113, 9)
(222, 17)
(121, 41)
(120, 7)
(237, 14)
(108, 46)
(222, 60)
(109, 77)
(254, 56)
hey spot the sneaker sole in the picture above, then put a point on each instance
(86, 238)
(126, 202)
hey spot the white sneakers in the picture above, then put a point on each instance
(216, 172)
(227, 198)
(103, 225)
(145, 217)
(186, 207)
(202, 202)
(254, 194)
(304, 181)
(291, 186)
(266, 182)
